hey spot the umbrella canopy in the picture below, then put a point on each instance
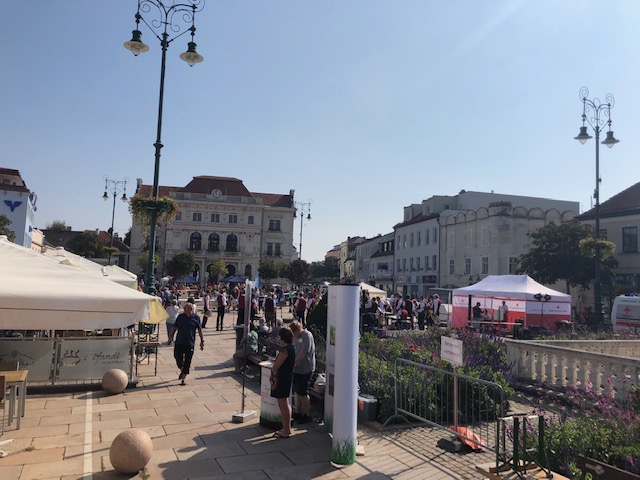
(233, 279)
(39, 293)
(373, 291)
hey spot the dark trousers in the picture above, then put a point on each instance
(300, 315)
(183, 355)
(220, 318)
(240, 320)
(204, 321)
(421, 320)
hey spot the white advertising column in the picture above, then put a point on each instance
(343, 308)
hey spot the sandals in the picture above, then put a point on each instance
(279, 435)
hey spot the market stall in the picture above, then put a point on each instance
(527, 301)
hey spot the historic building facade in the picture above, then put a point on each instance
(18, 204)
(218, 217)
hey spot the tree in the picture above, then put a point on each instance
(4, 228)
(556, 254)
(218, 269)
(143, 260)
(89, 245)
(181, 264)
(127, 237)
(270, 269)
(332, 267)
(57, 225)
(298, 272)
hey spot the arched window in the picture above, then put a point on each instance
(196, 272)
(214, 242)
(195, 241)
(247, 271)
(232, 243)
(231, 269)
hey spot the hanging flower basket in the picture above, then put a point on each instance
(142, 207)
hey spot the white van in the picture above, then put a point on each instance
(625, 314)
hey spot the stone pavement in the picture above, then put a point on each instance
(68, 435)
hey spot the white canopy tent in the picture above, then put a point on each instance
(39, 293)
(519, 294)
(110, 272)
(373, 291)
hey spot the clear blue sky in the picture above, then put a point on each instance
(361, 106)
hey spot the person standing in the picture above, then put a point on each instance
(436, 309)
(503, 314)
(206, 312)
(185, 328)
(172, 310)
(300, 307)
(477, 316)
(304, 366)
(221, 300)
(240, 319)
(270, 310)
(422, 312)
(281, 377)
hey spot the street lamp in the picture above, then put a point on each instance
(304, 207)
(168, 17)
(544, 299)
(114, 187)
(598, 114)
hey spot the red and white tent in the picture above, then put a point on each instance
(519, 292)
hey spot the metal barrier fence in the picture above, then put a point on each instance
(447, 400)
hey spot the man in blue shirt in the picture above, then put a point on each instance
(187, 323)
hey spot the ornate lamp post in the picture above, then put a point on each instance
(596, 114)
(114, 187)
(168, 18)
(304, 207)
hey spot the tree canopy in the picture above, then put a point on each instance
(89, 245)
(561, 252)
(143, 260)
(57, 225)
(329, 269)
(4, 228)
(298, 272)
(270, 269)
(218, 269)
(181, 264)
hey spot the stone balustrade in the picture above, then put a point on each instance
(602, 366)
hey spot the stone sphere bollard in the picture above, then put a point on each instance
(115, 381)
(131, 451)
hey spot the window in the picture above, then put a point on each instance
(179, 216)
(215, 218)
(269, 249)
(484, 269)
(418, 263)
(197, 217)
(426, 262)
(468, 238)
(398, 266)
(277, 249)
(426, 237)
(247, 271)
(434, 263)
(629, 239)
(411, 267)
(274, 225)
(195, 241)
(411, 240)
(451, 240)
(467, 265)
(513, 265)
(603, 234)
(250, 220)
(233, 218)
(419, 235)
(213, 245)
(398, 243)
(404, 240)
(452, 266)
(435, 235)
(484, 237)
(404, 264)
(232, 243)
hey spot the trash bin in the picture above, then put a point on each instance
(239, 335)
(367, 406)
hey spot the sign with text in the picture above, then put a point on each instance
(451, 350)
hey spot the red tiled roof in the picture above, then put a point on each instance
(227, 185)
(10, 171)
(624, 203)
(275, 199)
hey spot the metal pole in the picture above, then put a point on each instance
(597, 288)
(113, 216)
(150, 277)
(301, 225)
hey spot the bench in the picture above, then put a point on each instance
(602, 471)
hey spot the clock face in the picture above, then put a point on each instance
(216, 193)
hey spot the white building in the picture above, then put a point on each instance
(374, 262)
(18, 204)
(219, 217)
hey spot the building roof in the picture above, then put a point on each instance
(13, 176)
(62, 238)
(229, 186)
(624, 203)
(417, 219)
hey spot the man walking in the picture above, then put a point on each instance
(304, 366)
(186, 326)
(221, 301)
